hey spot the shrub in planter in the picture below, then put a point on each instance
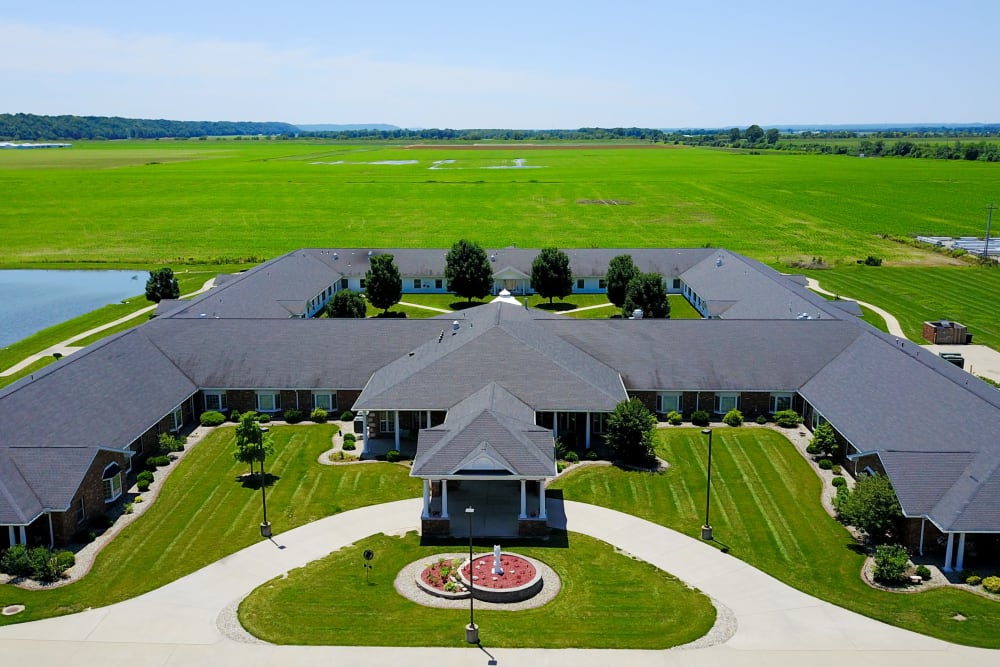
(572, 457)
(591, 455)
(318, 415)
(923, 572)
(158, 461)
(837, 470)
(349, 446)
(171, 443)
(839, 482)
(346, 416)
(825, 464)
(973, 580)
(264, 418)
(212, 418)
(733, 418)
(144, 476)
(891, 562)
(560, 466)
(234, 416)
(787, 418)
(15, 561)
(142, 485)
(293, 416)
(674, 418)
(392, 456)
(700, 417)
(992, 584)
(350, 436)
(761, 419)
(66, 560)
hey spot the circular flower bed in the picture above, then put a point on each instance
(517, 572)
(448, 577)
(441, 576)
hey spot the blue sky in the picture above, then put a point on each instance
(513, 64)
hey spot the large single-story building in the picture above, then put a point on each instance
(484, 392)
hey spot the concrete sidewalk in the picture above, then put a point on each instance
(177, 625)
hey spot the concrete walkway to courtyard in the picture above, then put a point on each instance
(178, 624)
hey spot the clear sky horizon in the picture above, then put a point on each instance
(514, 64)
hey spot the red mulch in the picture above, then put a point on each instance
(516, 572)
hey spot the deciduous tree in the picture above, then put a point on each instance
(872, 507)
(162, 285)
(629, 432)
(647, 293)
(252, 444)
(347, 303)
(621, 270)
(383, 284)
(754, 134)
(551, 275)
(468, 271)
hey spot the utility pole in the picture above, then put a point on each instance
(989, 219)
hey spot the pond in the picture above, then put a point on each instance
(32, 300)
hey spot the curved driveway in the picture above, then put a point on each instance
(176, 625)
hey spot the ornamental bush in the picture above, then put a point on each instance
(923, 572)
(349, 446)
(293, 416)
(675, 418)
(839, 482)
(733, 418)
(144, 476)
(787, 418)
(592, 455)
(700, 417)
(572, 457)
(350, 436)
(973, 580)
(346, 416)
(15, 561)
(318, 415)
(234, 416)
(392, 456)
(761, 419)
(825, 464)
(992, 584)
(212, 418)
(891, 561)
(158, 461)
(264, 418)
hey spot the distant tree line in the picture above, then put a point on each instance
(446, 134)
(30, 127)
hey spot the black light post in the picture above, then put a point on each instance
(471, 631)
(706, 530)
(265, 526)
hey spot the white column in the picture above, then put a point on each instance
(24, 534)
(588, 431)
(922, 522)
(555, 424)
(10, 535)
(428, 419)
(427, 499)
(395, 418)
(947, 553)
(541, 500)
(364, 431)
(961, 552)
(524, 501)
(444, 499)
(52, 535)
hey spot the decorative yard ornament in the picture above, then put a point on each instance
(368, 555)
(497, 568)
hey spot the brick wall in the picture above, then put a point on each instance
(91, 490)
(754, 403)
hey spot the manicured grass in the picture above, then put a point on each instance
(205, 512)
(608, 600)
(915, 294)
(24, 372)
(874, 319)
(766, 510)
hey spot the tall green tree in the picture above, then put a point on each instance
(647, 292)
(872, 507)
(550, 274)
(754, 133)
(629, 432)
(383, 284)
(734, 135)
(824, 440)
(347, 303)
(468, 271)
(252, 444)
(772, 136)
(621, 270)
(162, 285)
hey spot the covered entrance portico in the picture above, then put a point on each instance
(504, 507)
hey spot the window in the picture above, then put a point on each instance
(215, 400)
(417, 284)
(726, 401)
(677, 283)
(598, 422)
(112, 481)
(438, 283)
(362, 283)
(602, 284)
(344, 284)
(177, 418)
(386, 422)
(268, 401)
(580, 283)
(667, 401)
(81, 511)
(324, 399)
(781, 402)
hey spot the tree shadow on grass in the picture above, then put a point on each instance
(562, 305)
(462, 305)
(248, 481)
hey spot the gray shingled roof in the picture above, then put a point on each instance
(491, 431)
(496, 343)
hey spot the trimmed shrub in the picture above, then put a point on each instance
(787, 418)
(142, 486)
(923, 572)
(318, 415)
(350, 436)
(349, 446)
(264, 418)
(733, 418)
(171, 443)
(591, 455)
(15, 561)
(825, 464)
(572, 457)
(293, 416)
(346, 416)
(700, 417)
(392, 456)
(234, 416)
(560, 466)
(992, 584)
(674, 418)
(158, 461)
(890, 563)
(212, 418)
(973, 580)
(839, 482)
(824, 441)
(66, 560)
(761, 419)
(145, 475)
(837, 470)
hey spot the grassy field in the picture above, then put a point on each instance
(766, 510)
(205, 512)
(604, 595)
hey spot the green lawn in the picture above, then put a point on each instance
(608, 600)
(205, 512)
(24, 372)
(766, 510)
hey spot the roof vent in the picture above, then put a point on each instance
(718, 261)
(455, 326)
(637, 314)
(334, 256)
(493, 257)
(369, 254)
